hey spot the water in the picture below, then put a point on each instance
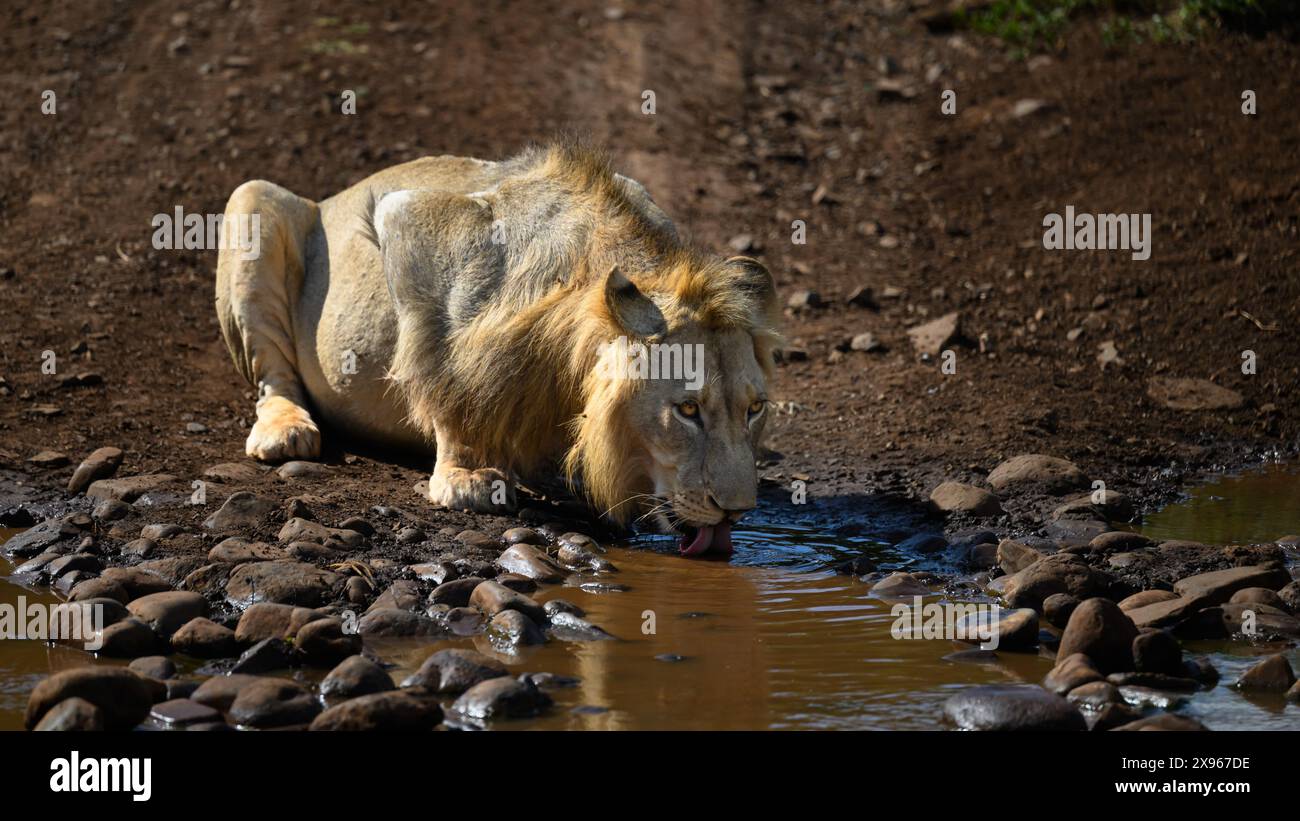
(771, 640)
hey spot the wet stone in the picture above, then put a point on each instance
(123, 697)
(516, 582)
(159, 667)
(167, 612)
(513, 629)
(72, 715)
(530, 562)
(1101, 631)
(399, 623)
(569, 627)
(355, 676)
(267, 620)
(1156, 651)
(144, 548)
(1273, 674)
(454, 671)
(129, 638)
(265, 656)
(501, 698)
(899, 585)
(492, 598)
(1012, 707)
(1095, 695)
(323, 642)
(403, 594)
(381, 712)
(183, 711)
(100, 464)
(1071, 672)
(554, 606)
(205, 639)
(219, 692)
(273, 702)
(522, 535)
(1057, 609)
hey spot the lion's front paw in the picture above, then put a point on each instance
(283, 431)
(486, 490)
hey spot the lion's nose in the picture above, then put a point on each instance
(735, 513)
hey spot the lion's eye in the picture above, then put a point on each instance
(690, 409)
(756, 407)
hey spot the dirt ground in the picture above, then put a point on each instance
(765, 113)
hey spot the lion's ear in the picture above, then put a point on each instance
(632, 310)
(756, 280)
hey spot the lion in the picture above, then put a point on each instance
(481, 313)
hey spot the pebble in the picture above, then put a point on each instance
(282, 582)
(159, 667)
(381, 712)
(955, 497)
(323, 642)
(522, 535)
(273, 702)
(501, 698)
(554, 606)
(266, 620)
(492, 598)
(265, 656)
(203, 638)
(167, 612)
(400, 623)
(455, 671)
(123, 697)
(899, 585)
(100, 464)
(1054, 475)
(241, 511)
(355, 676)
(219, 692)
(526, 560)
(1012, 707)
(181, 711)
(1070, 672)
(301, 470)
(1101, 631)
(570, 627)
(1273, 674)
(72, 714)
(1057, 609)
(129, 638)
(513, 629)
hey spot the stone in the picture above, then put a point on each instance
(205, 639)
(1101, 631)
(209, 580)
(1013, 556)
(1055, 573)
(167, 612)
(159, 667)
(305, 530)
(182, 711)
(1257, 595)
(102, 463)
(111, 510)
(273, 702)
(569, 627)
(513, 629)
(128, 489)
(522, 535)
(77, 561)
(144, 548)
(403, 594)
(242, 511)
(99, 588)
(267, 620)
(1114, 715)
(219, 692)
(899, 586)
(455, 671)
(1290, 596)
(436, 572)
(136, 582)
(323, 642)
(358, 524)
(233, 472)
(1070, 672)
(1257, 621)
(557, 606)
(1011, 629)
(48, 459)
(1119, 540)
(955, 497)
(501, 698)
(381, 712)
(129, 638)
(1157, 651)
(1272, 675)
(1218, 586)
(531, 563)
(930, 338)
(1192, 394)
(1095, 695)
(160, 532)
(492, 598)
(398, 623)
(1012, 707)
(44, 537)
(301, 470)
(355, 676)
(1057, 609)
(1145, 598)
(1051, 473)
(1164, 721)
(264, 657)
(72, 715)
(1165, 613)
(123, 697)
(171, 569)
(281, 582)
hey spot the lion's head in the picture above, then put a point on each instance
(677, 402)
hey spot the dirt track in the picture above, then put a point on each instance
(765, 113)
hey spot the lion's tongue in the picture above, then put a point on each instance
(716, 537)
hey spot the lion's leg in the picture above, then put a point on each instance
(458, 483)
(255, 298)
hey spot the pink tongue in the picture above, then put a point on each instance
(716, 537)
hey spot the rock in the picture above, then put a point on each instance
(72, 715)
(301, 470)
(1258, 595)
(411, 535)
(233, 472)
(273, 702)
(569, 627)
(209, 580)
(1164, 721)
(1156, 651)
(1101, 631)
(930, 338)
(357, 589)
(804, 300)
(144, 548)
(513, 629)
(1095, 695)
(1119, 540)
(501, 698)
(522, 535)
(304, 530)
(267, 620)
(866, 342)
(1013, 556)
(357, 524)
(402, 594)
(171, 569)
(264, 657)
(129, 489)
(922, 543)
(111, 510)
(159, 667)
(100, 464)
(282, 582)
(1164, 613)
(1070, 672)
(1055, 573)
(1272, 675)
(1290, 596)
(48, 459)
(1192, 394)
(1114, 715)
(1012, 707)
(44, 537)
(242, 511)
(323, 642)
(492, 598)
(123, 698)
(1218, 586)
(77, 561)
(129, 638)
(205, 639)
(1008, 629)
(1052, 474)
(899, 586)
(955, 497)
(454, 671)
(238, 550)
(167, 612)
(382, 712)
(1154, 681)
(136, 582)
(355, 676)
(516, 582)
(554, 607)
(1057, 609)
(436, 572)
(1256, 621)
(160, 532)
(182, 711)
(219, 692)
(1146, 597)
(400, 623)
(532, 563)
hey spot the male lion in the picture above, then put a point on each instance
(464, 307)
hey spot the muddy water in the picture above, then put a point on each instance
(769, 641)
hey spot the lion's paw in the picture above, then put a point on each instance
(486, 490)
(283, 431)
